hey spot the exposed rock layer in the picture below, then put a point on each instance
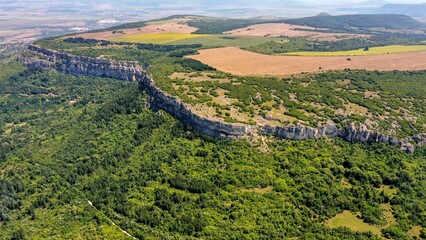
(131, 71)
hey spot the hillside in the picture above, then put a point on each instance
(412, 10)
(106, 164)
(123, 134)
(344, 22)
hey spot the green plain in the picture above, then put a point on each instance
(227, 41)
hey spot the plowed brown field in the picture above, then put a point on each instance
(287, 30)
(241, 62)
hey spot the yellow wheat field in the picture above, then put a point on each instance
(391, 49)
(157, 38)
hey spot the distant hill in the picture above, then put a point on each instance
(342, 22)
(324, 14)
(266, 18)
(412, 10)
(372, 3)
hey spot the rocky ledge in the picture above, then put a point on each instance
(132, 71)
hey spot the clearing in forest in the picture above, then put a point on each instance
(241, 62)
(351, 221)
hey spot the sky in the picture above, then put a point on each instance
(341, 2)
(228, 8)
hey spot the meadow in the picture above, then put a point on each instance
(391, 49)
(351, 221)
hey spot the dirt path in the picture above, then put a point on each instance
(112, 222)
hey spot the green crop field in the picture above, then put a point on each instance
(361, 52)
(227, 41)
(203, 39)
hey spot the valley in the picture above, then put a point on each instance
(192, 127)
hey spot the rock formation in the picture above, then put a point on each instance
(83, 66)
(131, 71)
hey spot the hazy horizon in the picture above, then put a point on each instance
(34, 19)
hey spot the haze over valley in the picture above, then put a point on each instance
(22, 22)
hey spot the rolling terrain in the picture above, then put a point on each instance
(191, 127)
(158, 179)
(210, 82)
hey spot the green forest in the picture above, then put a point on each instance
(84, 158)
(358, 22)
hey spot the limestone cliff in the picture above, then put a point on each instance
(82, 66)
(131, 71)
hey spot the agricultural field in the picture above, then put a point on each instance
(164, 26)
(241, 62)
(288, 30)
(229, 41)
(156, 38)
(392, 49)
(206, 40)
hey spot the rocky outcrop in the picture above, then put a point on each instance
(360, 133)
(82, 66)
(131, 71)
(301, 132)
(169, 103)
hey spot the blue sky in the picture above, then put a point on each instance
(339, 2)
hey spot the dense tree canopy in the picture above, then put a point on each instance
(69, 169)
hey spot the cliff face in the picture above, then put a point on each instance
(83, 66)
(131, 71)
(168, 103)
